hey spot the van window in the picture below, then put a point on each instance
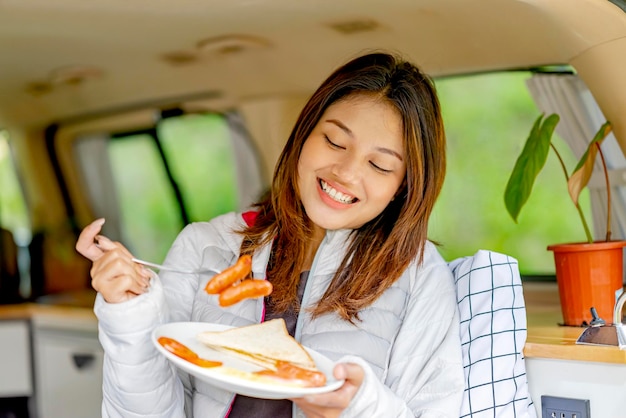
(487, 119)
(184, 169)
(13, 214)
(149, 215)
(15, 232)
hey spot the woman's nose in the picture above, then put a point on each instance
(347, 169)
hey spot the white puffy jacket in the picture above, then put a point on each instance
(407, 342)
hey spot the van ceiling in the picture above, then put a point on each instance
(120, 52)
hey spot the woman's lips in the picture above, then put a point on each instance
(335, 195)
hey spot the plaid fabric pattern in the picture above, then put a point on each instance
(493, 334)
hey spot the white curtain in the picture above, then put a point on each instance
(580, 118)
(250, 181)
(96, 173)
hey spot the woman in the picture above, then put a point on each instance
(341, 236)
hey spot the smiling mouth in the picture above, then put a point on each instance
(336, 195)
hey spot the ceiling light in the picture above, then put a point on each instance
(72, 75)
(230, 44)
(179, 57)
(350, 27)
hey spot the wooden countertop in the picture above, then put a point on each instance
(548, 339)
(52, 316)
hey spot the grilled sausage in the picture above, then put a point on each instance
(239, 271)
(186, 353)
(247, 289)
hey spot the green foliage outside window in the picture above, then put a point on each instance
(13, 214)
(487, 119)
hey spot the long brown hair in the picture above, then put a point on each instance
(380, 250)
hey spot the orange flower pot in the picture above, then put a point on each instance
(588, 275)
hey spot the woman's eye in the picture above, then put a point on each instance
(332, 144)
(380, 169)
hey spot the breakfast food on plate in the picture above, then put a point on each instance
(186, 353)
(233, 286)
(270, 346)
(264, 344)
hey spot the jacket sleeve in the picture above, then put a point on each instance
(425, 373)
(137, 380)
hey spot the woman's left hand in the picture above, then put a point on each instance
(331, 404)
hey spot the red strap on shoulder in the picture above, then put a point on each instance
(250, 217)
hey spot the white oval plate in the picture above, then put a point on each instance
(186, 332)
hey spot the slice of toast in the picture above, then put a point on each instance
(264, 344)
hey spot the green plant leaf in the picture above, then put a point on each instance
(529, 163)
(584, 169)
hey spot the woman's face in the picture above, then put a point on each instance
(352, 164)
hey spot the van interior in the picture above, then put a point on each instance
(155, 114)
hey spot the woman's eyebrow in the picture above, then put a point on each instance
(341, 126)
(349, 132)
(390, 152)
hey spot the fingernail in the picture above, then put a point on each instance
(102, 238)
(98, 222)
(147, 273)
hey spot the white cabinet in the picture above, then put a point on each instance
(68, 374)
(15, 367)
(604, 384)
(51, 356)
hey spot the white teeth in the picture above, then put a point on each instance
(336, 194)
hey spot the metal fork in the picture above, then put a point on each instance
(175, 270)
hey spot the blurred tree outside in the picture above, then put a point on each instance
(13, 214)
(15, 231)
(487, 120)
(202, 157)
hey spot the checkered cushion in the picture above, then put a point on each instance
(493, 334)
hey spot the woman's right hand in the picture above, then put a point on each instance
(113, 273)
